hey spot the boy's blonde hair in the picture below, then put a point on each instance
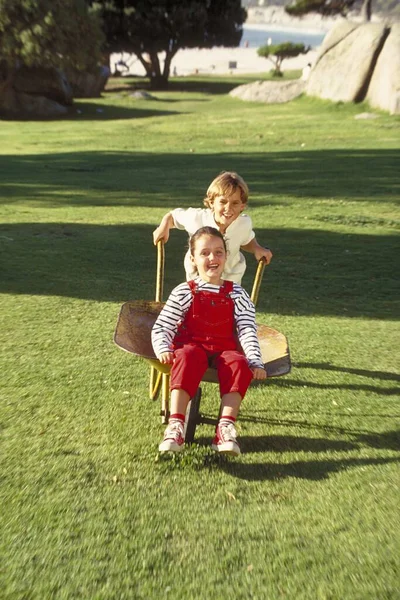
(226, 183)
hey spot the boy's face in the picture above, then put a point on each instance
(227, 208)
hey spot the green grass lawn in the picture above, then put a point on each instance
(88, 509)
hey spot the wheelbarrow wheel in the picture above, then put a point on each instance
(192, 417)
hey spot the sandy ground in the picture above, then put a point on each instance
(217, 61)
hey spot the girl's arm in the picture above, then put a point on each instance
(245, 319)
(166, 325)
(162, 231)
(259, 252)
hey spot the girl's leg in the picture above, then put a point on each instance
(190, 364)
(187, 371)
(234, 375)
(179, 401)
(234, 378)
(230, 404)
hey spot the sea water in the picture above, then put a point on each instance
(255, 36)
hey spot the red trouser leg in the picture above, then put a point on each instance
(189, 366)
(234, 373)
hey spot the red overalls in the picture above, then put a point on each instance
(206, 339)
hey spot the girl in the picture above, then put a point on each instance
(225, 202)
(196, 329)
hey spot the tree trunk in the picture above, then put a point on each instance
(366, 10)
(169, 55)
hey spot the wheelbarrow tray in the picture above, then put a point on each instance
(133, 334)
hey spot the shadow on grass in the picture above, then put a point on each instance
(196, 83)
(314, 470)
(313, 272)
(383, 375)
(155, 180)
(354, 387)
(88, 111)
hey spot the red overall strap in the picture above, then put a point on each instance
(226, 289)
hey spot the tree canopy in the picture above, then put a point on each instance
(148, 27)
(298, 8)
(48, 33)
(323, 7)
(277, 53)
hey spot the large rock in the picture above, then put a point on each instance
(271, 92)
(88, 85)
(384, 89)
(338, 33)
(40, 81)
(344, 66)
(17, 104)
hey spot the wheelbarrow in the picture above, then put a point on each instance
(133, 334)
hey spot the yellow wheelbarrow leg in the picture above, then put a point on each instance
(155, 376)
(155, 383)
(165, 398)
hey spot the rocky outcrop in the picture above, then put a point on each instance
(34, 92)
(346, 61)
(38, 81)
(356, 62)
(19, 105)
(88, 85)
(45, 92)
(271, 92)
(384, 88)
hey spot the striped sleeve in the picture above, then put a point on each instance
(166, 325)
(245, 318)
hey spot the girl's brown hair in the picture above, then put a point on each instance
(226, 183)
(205, 231)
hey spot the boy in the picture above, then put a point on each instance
(226, 198)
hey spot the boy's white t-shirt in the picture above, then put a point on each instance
(239, 233)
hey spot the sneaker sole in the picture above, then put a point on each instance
(170, 447)
(227, 448)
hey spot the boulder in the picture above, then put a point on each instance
(88, 85)
(18, 104)
(271, 92)
(344, 66)
(338, 33)
(40, 81)
(384, 88)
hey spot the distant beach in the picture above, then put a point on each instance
(241, 59)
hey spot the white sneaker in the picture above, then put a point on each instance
(225, 440)
(173, 438)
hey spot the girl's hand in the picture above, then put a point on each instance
(259, 373)
(166, 358)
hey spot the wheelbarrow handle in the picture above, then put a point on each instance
(160, 270)
(257, 280)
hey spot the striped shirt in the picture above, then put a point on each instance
(179, 302)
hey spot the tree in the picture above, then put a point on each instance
(277, 53)
(47, 33)
(149, 27)
(329, 7)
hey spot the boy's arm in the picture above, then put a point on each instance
(259, 252)
(162, 231)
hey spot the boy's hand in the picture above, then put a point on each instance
(265, 253)
(259, 373)
(161, 233)
(259, 252)
(166, 358)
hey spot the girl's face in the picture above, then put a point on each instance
(227, 208)
(209, 258)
